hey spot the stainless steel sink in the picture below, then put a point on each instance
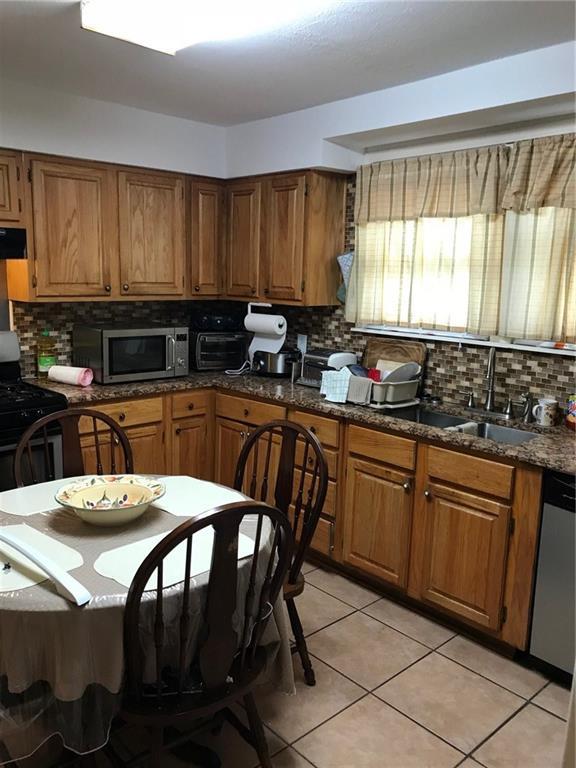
(507, 435)
(430, 418)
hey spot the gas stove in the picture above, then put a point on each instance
(23, 403)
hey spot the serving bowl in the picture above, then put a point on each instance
(110, 499)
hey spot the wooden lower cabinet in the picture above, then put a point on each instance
(465, 544)
(228, 440)
(377, 520)
(148, 450)
(191, 449)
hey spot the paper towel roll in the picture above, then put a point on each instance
(265, 325)
(67, 374)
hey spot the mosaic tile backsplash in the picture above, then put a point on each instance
(450, 366)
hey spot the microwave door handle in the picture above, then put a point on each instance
(170, 347)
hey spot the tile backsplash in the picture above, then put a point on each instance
(450, 366)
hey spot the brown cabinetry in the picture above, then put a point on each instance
(206, 238)
(283, 248)
(152, 234)
(192, 429)
(243, 239)
(377, 520)
(11, 198)
(75, 233)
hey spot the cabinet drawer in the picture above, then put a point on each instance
(471, 472)
(323, 539)
(379, 446)
(250, 411)
(326, 430)
(128, 413)
(331, 459)
(329, 508)
(186, 404)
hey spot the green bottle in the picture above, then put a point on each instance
(46, 353)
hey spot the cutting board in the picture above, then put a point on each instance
(393, 349)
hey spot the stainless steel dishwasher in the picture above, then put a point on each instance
(552, 638)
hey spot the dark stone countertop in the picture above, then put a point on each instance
(553, 448)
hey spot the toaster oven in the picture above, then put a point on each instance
(218, 350)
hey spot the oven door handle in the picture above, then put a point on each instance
(170, 349)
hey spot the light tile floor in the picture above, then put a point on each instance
(398, 690)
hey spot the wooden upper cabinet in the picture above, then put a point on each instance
(243, 238)
(377, 520)
(10, 188)
(466, 541)
(283, 254)
(207, 230)
(152, 234)
(75, 231)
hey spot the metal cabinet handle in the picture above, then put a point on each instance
(407, 485)
(313, 430)
(190, 406)
(196, 288)
(242, 435)
(331, 540)
(178, 430)
(427, 494)
(116, 441)
(246, 411)
(125, 287)
(107, 288)
(122, 416)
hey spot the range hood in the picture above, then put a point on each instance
(12, 243)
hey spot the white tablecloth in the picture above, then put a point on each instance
(61, 667)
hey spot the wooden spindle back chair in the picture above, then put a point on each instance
(283, 463)
(111, 446)
(198, 681)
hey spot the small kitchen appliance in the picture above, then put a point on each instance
(277, 364)
(315, 361)
(21, 404)
(218, 350)
(131, 353)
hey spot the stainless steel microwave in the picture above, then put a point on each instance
(130, 353)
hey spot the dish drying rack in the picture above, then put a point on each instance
(391, 395)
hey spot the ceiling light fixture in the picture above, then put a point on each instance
(170, 25)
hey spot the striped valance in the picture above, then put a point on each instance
(528, 174)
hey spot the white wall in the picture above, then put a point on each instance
(41, 120)
(300, 139)
(47, 121)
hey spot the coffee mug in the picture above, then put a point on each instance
(545, 412)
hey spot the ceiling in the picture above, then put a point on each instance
(356, 47)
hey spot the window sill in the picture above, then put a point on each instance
(456, 338)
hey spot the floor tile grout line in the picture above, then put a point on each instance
(331, 624)
(324, 722)
(420, 725)
(489, 679)
(548, 712)
(410, 637)
(321, 589)
(495, 731)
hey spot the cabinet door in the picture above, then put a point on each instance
(152, 239)
(191, 449)
(377, 520)
(465, 543)
(10, 190)
(206, 238)
(283, 256)
(75, 232)
(243, 257)
(148, 450)
(229, 438)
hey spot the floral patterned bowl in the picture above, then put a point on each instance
(110, 499)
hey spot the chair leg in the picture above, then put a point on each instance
(260, 743)
(301, 646)
(156, 747)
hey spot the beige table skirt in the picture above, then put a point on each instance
(61, 667)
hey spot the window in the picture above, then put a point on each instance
(510, 274)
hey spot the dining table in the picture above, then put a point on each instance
(61, 664)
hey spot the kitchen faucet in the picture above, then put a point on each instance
(489, 401)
